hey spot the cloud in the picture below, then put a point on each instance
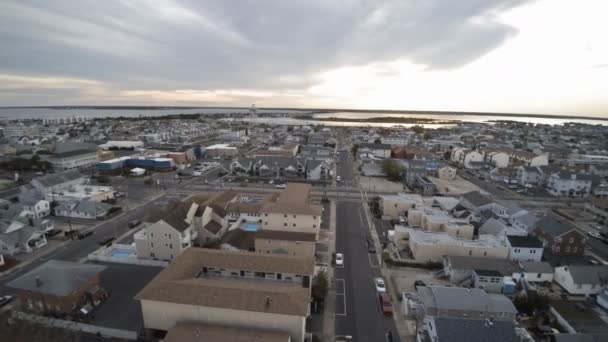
(216, 44)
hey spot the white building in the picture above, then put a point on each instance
(524, 248)
(565, 183)
(122, 145)
(498, 159)
(394, 206)
(377, 150)
(446, 172)
(170, 236)
(536, 272)
(581, 279)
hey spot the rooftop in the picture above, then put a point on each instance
(554, 225)
(58, 278)
(464, 299)
(504, 267)
(294, 200)
(477, 199)
(524, 241)
(474, 330)
(197, 332)
(432, 238)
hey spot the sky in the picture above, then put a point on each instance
(514, 56)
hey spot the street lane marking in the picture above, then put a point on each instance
(341, 297)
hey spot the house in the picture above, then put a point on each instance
(382, 151)
(447, 329)
(469, 159)
(55, 181)
(432, 219)
(238, 289)
(318, 170)
(197, 332)
(600, 191)
(582, 279)
(34, 205)
(59, 287)
(476, 202)
(598, 209)
(425, 185)
(529, 175)
(458, 302)
(498, 228)
(523, 221)
(497, 159)
(85, 209)
(536, 272)
(524, 248)
(432, 246)
(292, 211)
(566, 183)
(170, 236)
(316, 152)
(446, 172)
(412, 170)
(599, 170)
(211, 222)
(19, 237)
(459, 269)
(559, 237)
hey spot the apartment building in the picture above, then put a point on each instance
(566, 183)
(292, 211)
(235, 289)
(559, 237)
(170, 236)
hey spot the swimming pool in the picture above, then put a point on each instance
(251, 227)
(122, 253)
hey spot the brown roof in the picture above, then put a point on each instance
(213, 227)
(176, 218)
(180, 282)
(240, 239)
(199, 332)
(294, 200)
(285, 235)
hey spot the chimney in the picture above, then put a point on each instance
(38, 282)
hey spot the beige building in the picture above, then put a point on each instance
(292, 211)
(446, 172)
(395, 205)
(170, 236)
(287, 243)
(198, 332)
(428, 246)
(436, 220)
(236, 289)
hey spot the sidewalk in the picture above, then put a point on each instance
(330, 299)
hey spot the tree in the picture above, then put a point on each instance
(354, 149)
(392, 169)
(319, 287)
(418, 129)
(427, 136)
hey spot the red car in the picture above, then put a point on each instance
(385, 303)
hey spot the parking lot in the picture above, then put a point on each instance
(123, 282)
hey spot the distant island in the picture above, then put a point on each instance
(380, 119)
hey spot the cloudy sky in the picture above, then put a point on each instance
(543, 56)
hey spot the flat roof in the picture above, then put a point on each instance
(197, 332)
(432, 238)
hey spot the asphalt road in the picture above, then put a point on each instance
(344, 169)
(78, 249)
(357, 309)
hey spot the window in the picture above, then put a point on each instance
(294, 224)
(265, 214)
(285, 216)
(538, 276)
(485, 253)
(285, 224)
(152, 244)
(567, 249)
(314, 226)
(571, 240)
(314, 217)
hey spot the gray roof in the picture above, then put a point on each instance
(536, 267)
(492, 226)
(554, 225)
(20, 233)
(527, 219)
(59, 178)
(503, 266)
(588, 274)
(474, 330)
(574, 338)
(477, 199)
(375, 146)
(57, 277)
(568, 175)
(524, 241)
(458, 298)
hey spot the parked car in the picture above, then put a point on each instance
(512, 187)
(5, 300)
(84, 234)
(134, 223)
(595, 226)
(339, 259)
(594, 235)
(419, 283)
(119, 194)
(196, 173)
(338, 179)
(370, 246)
(52, 232)
(385, 303)
(380, 287)
(107, 241)
(281, 186)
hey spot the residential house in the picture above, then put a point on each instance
(460, 269)
(432, 219)
(582, 279)
(524, 248)
(497, 159)
(447, 329)
(536, 272)
(238, 289)
(599, 170)
(598, 209)
(211, 222)
(34, 204)
(476, 202)
(317, 170)
(316, 152)
(529, 175)
(67, 156)
(170, 236)
(56, 181)
(413, 170)
(59, 287)
(566, 183)
(498, 228)
(600, 191)
(84, 209)
(382, 151)
(559, 237)
(19, 237)
(524, 221)
(469, 159)
(446, 172)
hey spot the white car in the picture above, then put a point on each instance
(339, 259)
(338, 178)
(595, 226)
(380, 287)
(595, 235)
(196, 173)
(281, 186)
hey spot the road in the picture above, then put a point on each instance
(344, 169)
(358, 312)
(78, 249)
